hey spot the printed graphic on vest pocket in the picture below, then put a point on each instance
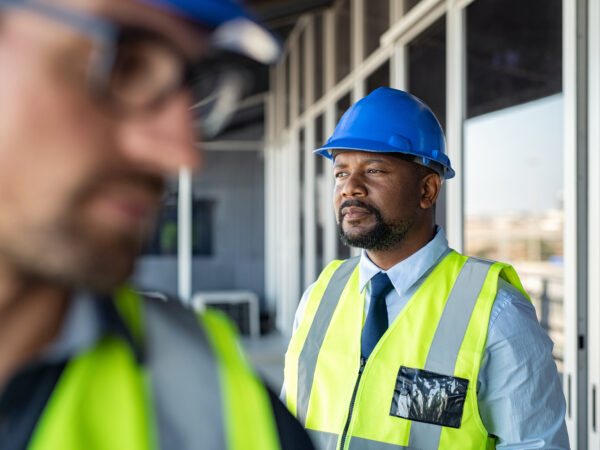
(429, 397)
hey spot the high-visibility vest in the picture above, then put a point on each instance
(417, 390)
(193, 390)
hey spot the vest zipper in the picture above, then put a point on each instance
(363, 362)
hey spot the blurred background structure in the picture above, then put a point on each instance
(516, 86)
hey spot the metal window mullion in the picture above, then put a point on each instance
(398, 67)
(275, 239)
(396, 10)
(408, 20)
(330, 241)
(269, 193)
(270, 257)
(357, 42)
(594, 224)
(184, 235)
(293, 88)
(425, 22)
(292, 227)
(575, 218)
(455, 113)
(290, 233)
(310, 219)
(357, 32)
(309, 62)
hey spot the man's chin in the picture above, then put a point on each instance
(107, 268)
(353, 238)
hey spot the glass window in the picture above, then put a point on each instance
(322, 198)
(286, 89)
(513, 147)
(427, 68)
(163, 241)
(410, 4)
(342, 40)
(342, 105)
(427, 80)
(379, 78)
(319, 55)
(377, 21)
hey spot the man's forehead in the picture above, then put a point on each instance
(361, 154)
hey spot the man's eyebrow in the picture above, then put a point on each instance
(371, 160)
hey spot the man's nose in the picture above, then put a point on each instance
(353, 186)
(162, 140)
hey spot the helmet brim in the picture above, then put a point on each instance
(366, 145)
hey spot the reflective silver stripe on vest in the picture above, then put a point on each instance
(188, 403)
(357, 443)
(323, 440)
(448, 338)
(307, 362)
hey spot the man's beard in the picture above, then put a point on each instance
(382, 236)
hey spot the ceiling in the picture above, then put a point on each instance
(279, 16)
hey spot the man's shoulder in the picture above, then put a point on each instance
(336, 264)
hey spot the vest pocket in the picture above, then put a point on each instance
(429, 397)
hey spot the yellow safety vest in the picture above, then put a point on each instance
(417, 390)
(107, 400)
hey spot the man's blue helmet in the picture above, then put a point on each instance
(392, 121)
(235, 29)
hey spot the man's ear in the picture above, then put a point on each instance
(430, 189)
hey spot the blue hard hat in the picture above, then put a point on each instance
(235, 29)
(392, 121)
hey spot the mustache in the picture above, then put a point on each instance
(360, 204)
(150, 183)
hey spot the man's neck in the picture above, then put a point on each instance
(388, 258)
(31, 314)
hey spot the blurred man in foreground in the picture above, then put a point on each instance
(95, 100)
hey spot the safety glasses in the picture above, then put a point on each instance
(134, 69)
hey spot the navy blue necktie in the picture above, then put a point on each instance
(377, 317)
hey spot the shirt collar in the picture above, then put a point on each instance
(405, 273)
(87, 320)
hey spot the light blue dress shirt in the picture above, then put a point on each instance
(519, 392)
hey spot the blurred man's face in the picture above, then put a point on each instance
(79, 184)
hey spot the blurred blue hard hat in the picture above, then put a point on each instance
(234, 28)
(392, 121)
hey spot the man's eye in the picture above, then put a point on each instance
(373, 171)
(339, 174)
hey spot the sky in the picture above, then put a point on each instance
(514, 159)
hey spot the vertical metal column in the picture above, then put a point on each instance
(357, 45)
(184, 235)
(593, 394)
(575, 214)
(310, 218)
(455, 112)
(331, 240)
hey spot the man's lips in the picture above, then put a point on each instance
(355, 212)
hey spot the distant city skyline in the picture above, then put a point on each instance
(514, 159)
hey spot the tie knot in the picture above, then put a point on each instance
(380, 285)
